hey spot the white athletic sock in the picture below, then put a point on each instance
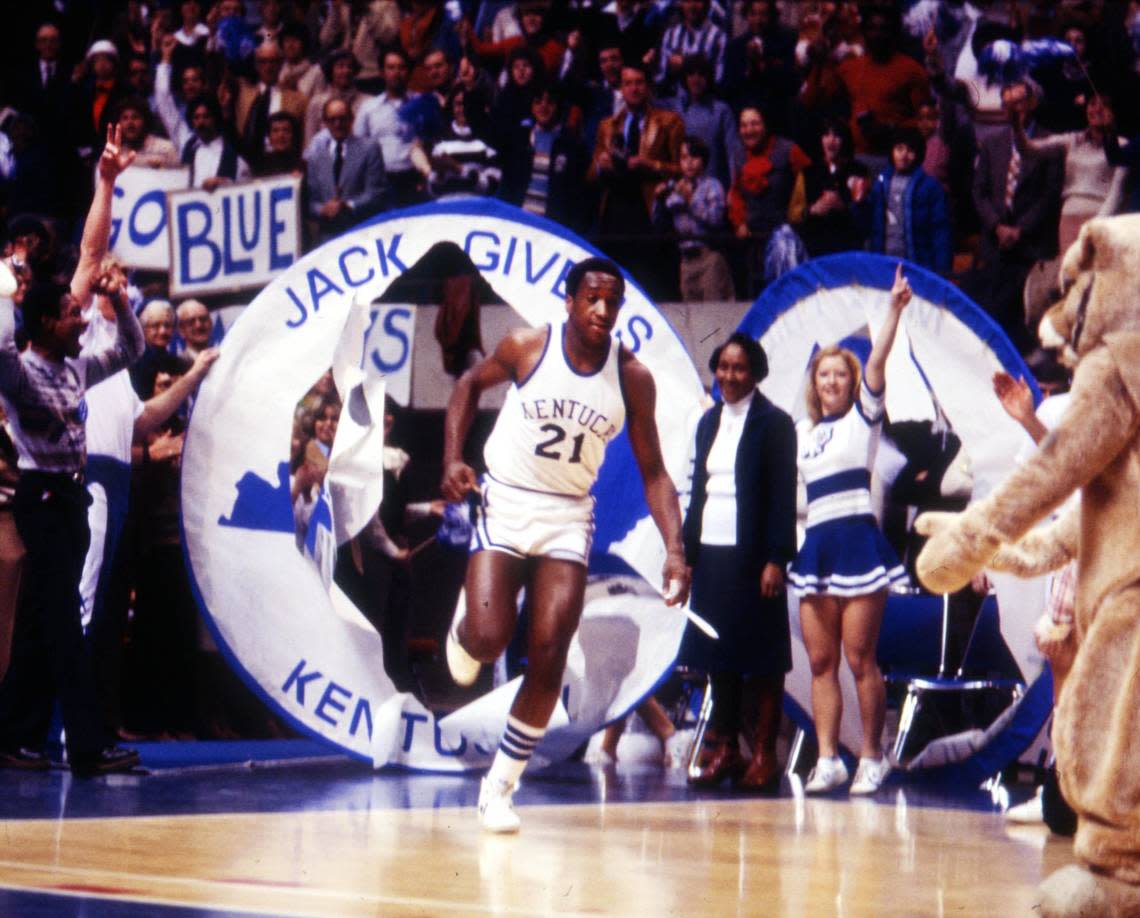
(515, 750)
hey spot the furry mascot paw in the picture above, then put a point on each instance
(1076, 892)
(956, 550)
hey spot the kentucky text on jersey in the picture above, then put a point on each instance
(543, 409)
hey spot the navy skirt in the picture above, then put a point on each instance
(845, 557)
(754, 635)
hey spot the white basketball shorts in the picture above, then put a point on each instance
(533, 524)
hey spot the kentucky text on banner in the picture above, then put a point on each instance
(235, 237)
(138, 216)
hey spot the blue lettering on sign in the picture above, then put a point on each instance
(327, 287)
(235, 265)
(363, 711)
(116, 222)
(632, 326)
(492, 256)
(439, 747)
(531, 277)
(328, 701)
(343, 262)
(410, 721)
(298, 679)
(189, 241)
(393, 331)
(509, 260)
(144, 237)
(559, 288)
(301, 310)
(278, 260)
(390, 255)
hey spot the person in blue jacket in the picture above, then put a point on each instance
(906, 211)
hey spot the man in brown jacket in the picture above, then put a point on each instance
(636, 149)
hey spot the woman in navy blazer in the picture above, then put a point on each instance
(740, 534)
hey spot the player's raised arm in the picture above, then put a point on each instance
(502, 366)
(660, 492)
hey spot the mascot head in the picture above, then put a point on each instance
(1098, 288)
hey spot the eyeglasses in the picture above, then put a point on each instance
(197, 320)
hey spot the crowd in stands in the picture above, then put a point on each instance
(706, 145)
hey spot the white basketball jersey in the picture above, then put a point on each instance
(552, 431)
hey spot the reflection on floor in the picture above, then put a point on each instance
(328, 836)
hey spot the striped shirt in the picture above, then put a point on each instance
(708, 40)
(44, 398)
(835, 459)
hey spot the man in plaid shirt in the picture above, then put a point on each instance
(43, 391)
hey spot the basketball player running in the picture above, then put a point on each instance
(574, 387)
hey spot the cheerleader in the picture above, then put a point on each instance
(845, 566)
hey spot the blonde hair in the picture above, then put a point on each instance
(814, 407)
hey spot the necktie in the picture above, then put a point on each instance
(633, 138)
(338, 164)
(1011, 178)
(258, 125)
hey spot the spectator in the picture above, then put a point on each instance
(195, 327)
(1092, 186)
(881, 89)
(257, 101)
(192, 34)
(42, 90)
(424, 29)
(191, 85)
(602, 99)
(693, 206)
(694, 34)
(379, 119)
(907, 208)
(140, 80)
(134, 119)
(33, 183)
(832, 184)
(284, 156)
(345, 175)
(340, 69)
(269, 30)
(524, 73)
(759, 64)
(97, 96)
(636, 149)
(368, 33)
(762, 189)
(212, 159)
(1018, 203)
(298, 71)
(462, 163)
(544, 163)
(637, 34)
(534, 33)
(708, 118)
(157, 320)
(49, 657)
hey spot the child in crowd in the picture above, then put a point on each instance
(693, 207)
(906, 209)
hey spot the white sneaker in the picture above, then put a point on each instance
(496, 809)
(827, 775)
(870, 775)
(464, 668)
(1028, 813)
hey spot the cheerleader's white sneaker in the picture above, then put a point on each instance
(870, 775)
(496, 807)
(827, 775)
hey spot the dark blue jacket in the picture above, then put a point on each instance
(927, 219)
(765, 486)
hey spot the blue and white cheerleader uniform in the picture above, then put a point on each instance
(844, 553)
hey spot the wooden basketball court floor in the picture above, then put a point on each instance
(330, 837)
